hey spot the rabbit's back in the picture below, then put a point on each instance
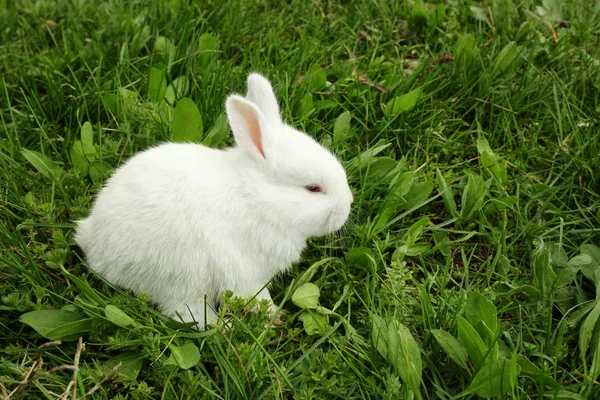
(150, 216)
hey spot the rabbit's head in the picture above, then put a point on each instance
(291, 178)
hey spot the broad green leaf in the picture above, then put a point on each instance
(470, 339)
(177, 89)
(139, 39)
(341, 128)
(503, 263)
(175, 5)
(452, 347)
(409, 357)
(186, 356)
(479, 13)
(565, 269)
(498, 170)
(477, 309)
(87, 141)
(171, 361)
(98, 169)
(528, 290)
(487, 159)
(131, 364)
(381, 220)
(207, 45)
(306, 296)
(400, 253)
(537, 375)
(326, 140)
(365, 158)
(563, 395)
(78, 158)
(124, 53)
(463, 49)
(410, 250)
(489, 338)
(57, 324)
(306, 105)
(442, 243)
(218, 133)
(584, 309)
(583, 261)
(70, 331)
(494, 379)
(380, 168)
(360, 256)
(313, 323)
(416, 249)
(490, 160)
(397, 345)
(590, 263)
(403, 103)
(401, 184)
(438, 15)
(418, 193)
(473, 195)
(398, 169)
(409, 246)
(325, 104)
(446, 192)
(418, 13)
(315, 78)
(508, 58)
(497, 205)
(544, 275)
(157, 85)
(113, 103)
(416, 230)
(187, 122)
(566, 298)
(117, 316)
(42, 164)
(595, 351)
(483, 147)
(558, 255)
(587, 329)
(550, 10)
(163, 45)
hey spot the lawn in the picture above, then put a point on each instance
(469, 267)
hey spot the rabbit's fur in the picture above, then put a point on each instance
(184, 222)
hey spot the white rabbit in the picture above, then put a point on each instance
(184, 222)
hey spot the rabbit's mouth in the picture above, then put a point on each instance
(335, 221)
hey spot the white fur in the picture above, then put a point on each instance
(182, 222)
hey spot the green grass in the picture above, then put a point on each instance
(470, 263)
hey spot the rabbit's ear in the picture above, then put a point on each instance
(247, 124)
(260, 92)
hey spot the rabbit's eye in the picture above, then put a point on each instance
(313, 188)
